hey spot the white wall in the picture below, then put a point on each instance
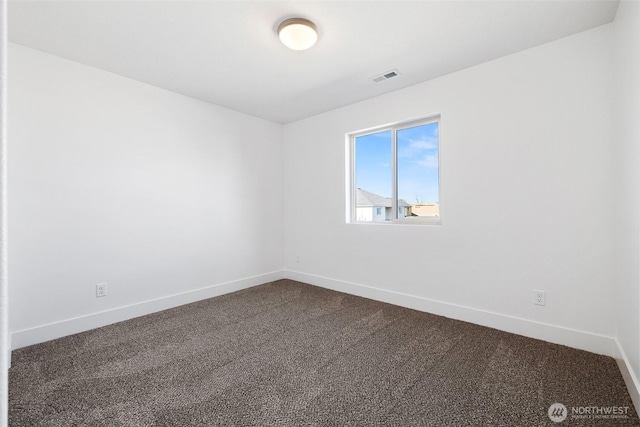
(626, 142)
(526, 177)
(116, 181)
(4, 294)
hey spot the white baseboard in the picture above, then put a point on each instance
(582, 340)
(556, 334)
(75, 325)
(629, 375)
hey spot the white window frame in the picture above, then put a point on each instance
(351, 172)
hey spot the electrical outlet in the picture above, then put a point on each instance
(101, 290)
(297, 259)
(539, 297)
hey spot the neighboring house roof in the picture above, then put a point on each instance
(366, 198)
(425, 209)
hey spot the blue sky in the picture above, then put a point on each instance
(417, 163)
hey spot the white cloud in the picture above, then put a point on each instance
(429, 161)
(424, 144)
(415, 147)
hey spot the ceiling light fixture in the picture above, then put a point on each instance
(298, 33)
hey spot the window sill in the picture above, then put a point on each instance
(418, 222)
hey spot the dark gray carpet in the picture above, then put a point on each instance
(291, 354)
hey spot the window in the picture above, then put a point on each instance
(394, 173)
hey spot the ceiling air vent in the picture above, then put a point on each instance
(385, 76)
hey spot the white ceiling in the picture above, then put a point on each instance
(228, 53)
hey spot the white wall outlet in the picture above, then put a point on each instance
(297, 259)
(539, 297)
(101, 290)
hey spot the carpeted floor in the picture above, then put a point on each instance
(291, 354)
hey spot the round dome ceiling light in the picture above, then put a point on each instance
(298, 33)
